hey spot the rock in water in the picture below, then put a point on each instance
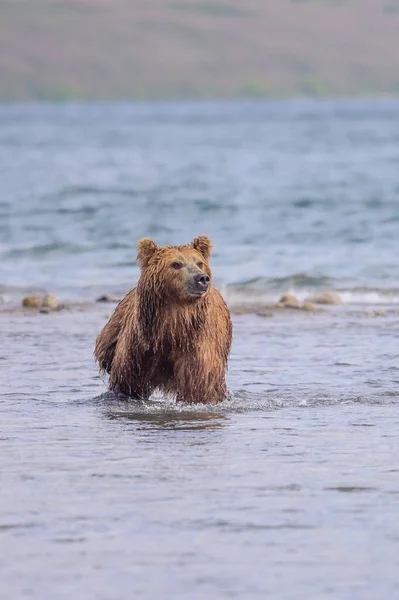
(309, 306)
(51, 302)
(288, 301)
(31, 302)
(107, 298)
(327, 298)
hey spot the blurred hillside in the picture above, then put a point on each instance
(116, 49)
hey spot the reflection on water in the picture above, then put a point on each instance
(160, 412)
(182, 420)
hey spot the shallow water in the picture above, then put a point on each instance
(290, 488)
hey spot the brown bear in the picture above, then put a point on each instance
(172, 332)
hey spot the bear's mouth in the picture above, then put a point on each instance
(197, 293)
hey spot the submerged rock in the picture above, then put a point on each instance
(379, 312)
(51, 302)
(309, 306)
(266, 314)
(327, 298)
(107, 298)
(241, 309)
(31, 302)
(288, 301)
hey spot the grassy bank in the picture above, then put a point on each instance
(120, 49)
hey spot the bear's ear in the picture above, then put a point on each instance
(145, 249)
(203, 244)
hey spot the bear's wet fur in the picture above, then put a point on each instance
(172, 332)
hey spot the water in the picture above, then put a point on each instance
(290, 488)
(283, 189)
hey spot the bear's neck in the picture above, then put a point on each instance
(172, 323)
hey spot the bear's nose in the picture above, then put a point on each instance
(202, 280)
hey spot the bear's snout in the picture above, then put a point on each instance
(202, 280)
(198, 284)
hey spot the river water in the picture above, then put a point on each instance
(289, 489)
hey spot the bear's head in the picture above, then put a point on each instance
(181, 273)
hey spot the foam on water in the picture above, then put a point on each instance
(166, 410)
(247, 293)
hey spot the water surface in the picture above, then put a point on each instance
(290, 488)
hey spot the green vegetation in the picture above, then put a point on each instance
(162, 49)
(211, 8)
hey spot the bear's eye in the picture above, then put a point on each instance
(176, 265)
(200, 265)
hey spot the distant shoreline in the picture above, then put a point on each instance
(148, 50)
(339, 99)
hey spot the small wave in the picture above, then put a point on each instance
(300, 280)
(45, 250)
(84, 210)
(268, 290)
(88, 190)
(369, 296)
(264, 290)
(10, 293)
(165, 412)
